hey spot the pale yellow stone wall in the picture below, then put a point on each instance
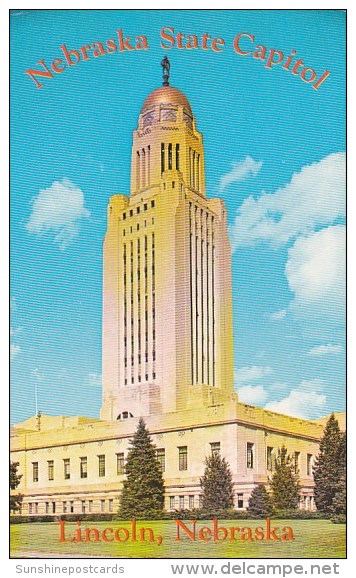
(232, 425)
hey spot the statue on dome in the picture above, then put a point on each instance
(166, 65)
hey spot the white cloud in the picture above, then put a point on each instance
(240, 171)
(95, 379)
(278, 315)
(329, 349)
(58, 209)
(14, 351)
(306, 401)
(252, 394)
(251, 373)
(299, 404)
(314, 197)
(315, 271)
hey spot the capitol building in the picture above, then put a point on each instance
(167, 346)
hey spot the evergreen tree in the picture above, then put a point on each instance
(326, 469)
(15, 499)
(338, 506)
(260, 503)
(285, 482)
(216, 484)
(143, 489)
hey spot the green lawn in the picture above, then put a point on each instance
(312, 539)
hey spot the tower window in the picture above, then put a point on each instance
(145, 207)
(152, 204)
(131, 213)
(170, 157)
(177, 157)
(162, 158)
(124, 216)
(138, 210)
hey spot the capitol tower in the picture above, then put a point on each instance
(167, 304)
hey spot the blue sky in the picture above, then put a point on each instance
(274, 151)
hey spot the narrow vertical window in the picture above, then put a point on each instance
(162, 158)
(84, 467)
(190, 166)
(177, 157)
(296, 461)
(309, 464)
(138, 170)
(143, 168)
(101, 460)
(149, 164)
(120, 464)
(250, 456)
(66, 465)
(35, 471)
(50, 464)
(170, 156)
(198, 172)
(172, 500)
(240, 501)
(269, 459)
(193, 170)
(183, 458)
(161, 458)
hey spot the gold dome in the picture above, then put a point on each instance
(166, 95)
